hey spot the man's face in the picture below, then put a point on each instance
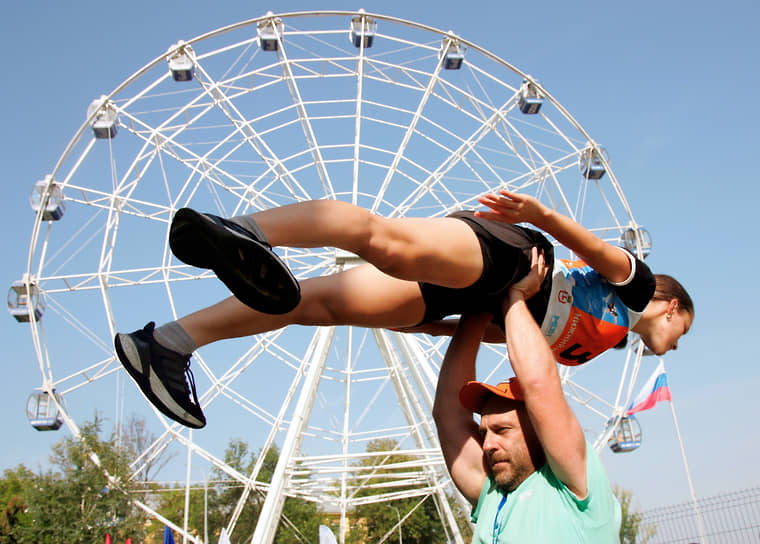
(507, 438)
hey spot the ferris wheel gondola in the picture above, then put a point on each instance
(24, 301)
(626, 436)
(42, 411)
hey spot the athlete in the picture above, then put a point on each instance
(418, 271)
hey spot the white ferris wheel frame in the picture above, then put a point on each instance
(407, 360)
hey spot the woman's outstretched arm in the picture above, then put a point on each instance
(508, 207)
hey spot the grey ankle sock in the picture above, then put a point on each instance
(172, 336)
(248, 223)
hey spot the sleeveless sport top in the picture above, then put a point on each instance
(587, 314)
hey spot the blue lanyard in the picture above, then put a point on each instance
(496, 520)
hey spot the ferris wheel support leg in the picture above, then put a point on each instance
(418, 417)
(272, 508)
(426, 378)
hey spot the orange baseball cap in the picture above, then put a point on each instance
(474, 394)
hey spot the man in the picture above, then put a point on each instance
(526, 467)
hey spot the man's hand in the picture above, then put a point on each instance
(531, 283)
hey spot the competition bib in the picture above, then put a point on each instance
(585, 317)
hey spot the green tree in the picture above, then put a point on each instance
(631, 530)
(171, 504)
(239, 457)
(14, 516)
(300, 521)
(373, 521)
(224, 494)
(137, 438)
(75, 502)
(219, 498)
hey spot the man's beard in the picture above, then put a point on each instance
(509, 480)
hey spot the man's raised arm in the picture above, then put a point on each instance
(457, 431)
(555, 424)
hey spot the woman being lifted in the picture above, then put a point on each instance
(418, 271)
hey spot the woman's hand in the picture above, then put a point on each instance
(509, 207)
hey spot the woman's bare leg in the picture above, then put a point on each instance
(361, 296)
(443, 251)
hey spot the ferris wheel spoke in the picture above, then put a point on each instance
(245, 128)
(617, 226)
(71, 283)
(306, 125)
(73, 321)
(587, 398)
(410, 131)
(86, 376)
(358, 121)
(446, 166)
(208, 170)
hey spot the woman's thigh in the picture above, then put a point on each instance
(444, 251)
(362, 296)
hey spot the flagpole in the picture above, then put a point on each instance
(697, 512)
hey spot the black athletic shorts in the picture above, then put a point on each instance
(506, 259)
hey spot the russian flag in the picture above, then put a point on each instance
(655, 390)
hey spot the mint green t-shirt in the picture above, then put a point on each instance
(543, 510)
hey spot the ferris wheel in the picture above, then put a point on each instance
(395, 116)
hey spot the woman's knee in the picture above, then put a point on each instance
(365, 233)
(388, 247)
(320, 303)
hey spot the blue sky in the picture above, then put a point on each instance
(670, 91)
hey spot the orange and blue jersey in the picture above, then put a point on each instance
(585, 315)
